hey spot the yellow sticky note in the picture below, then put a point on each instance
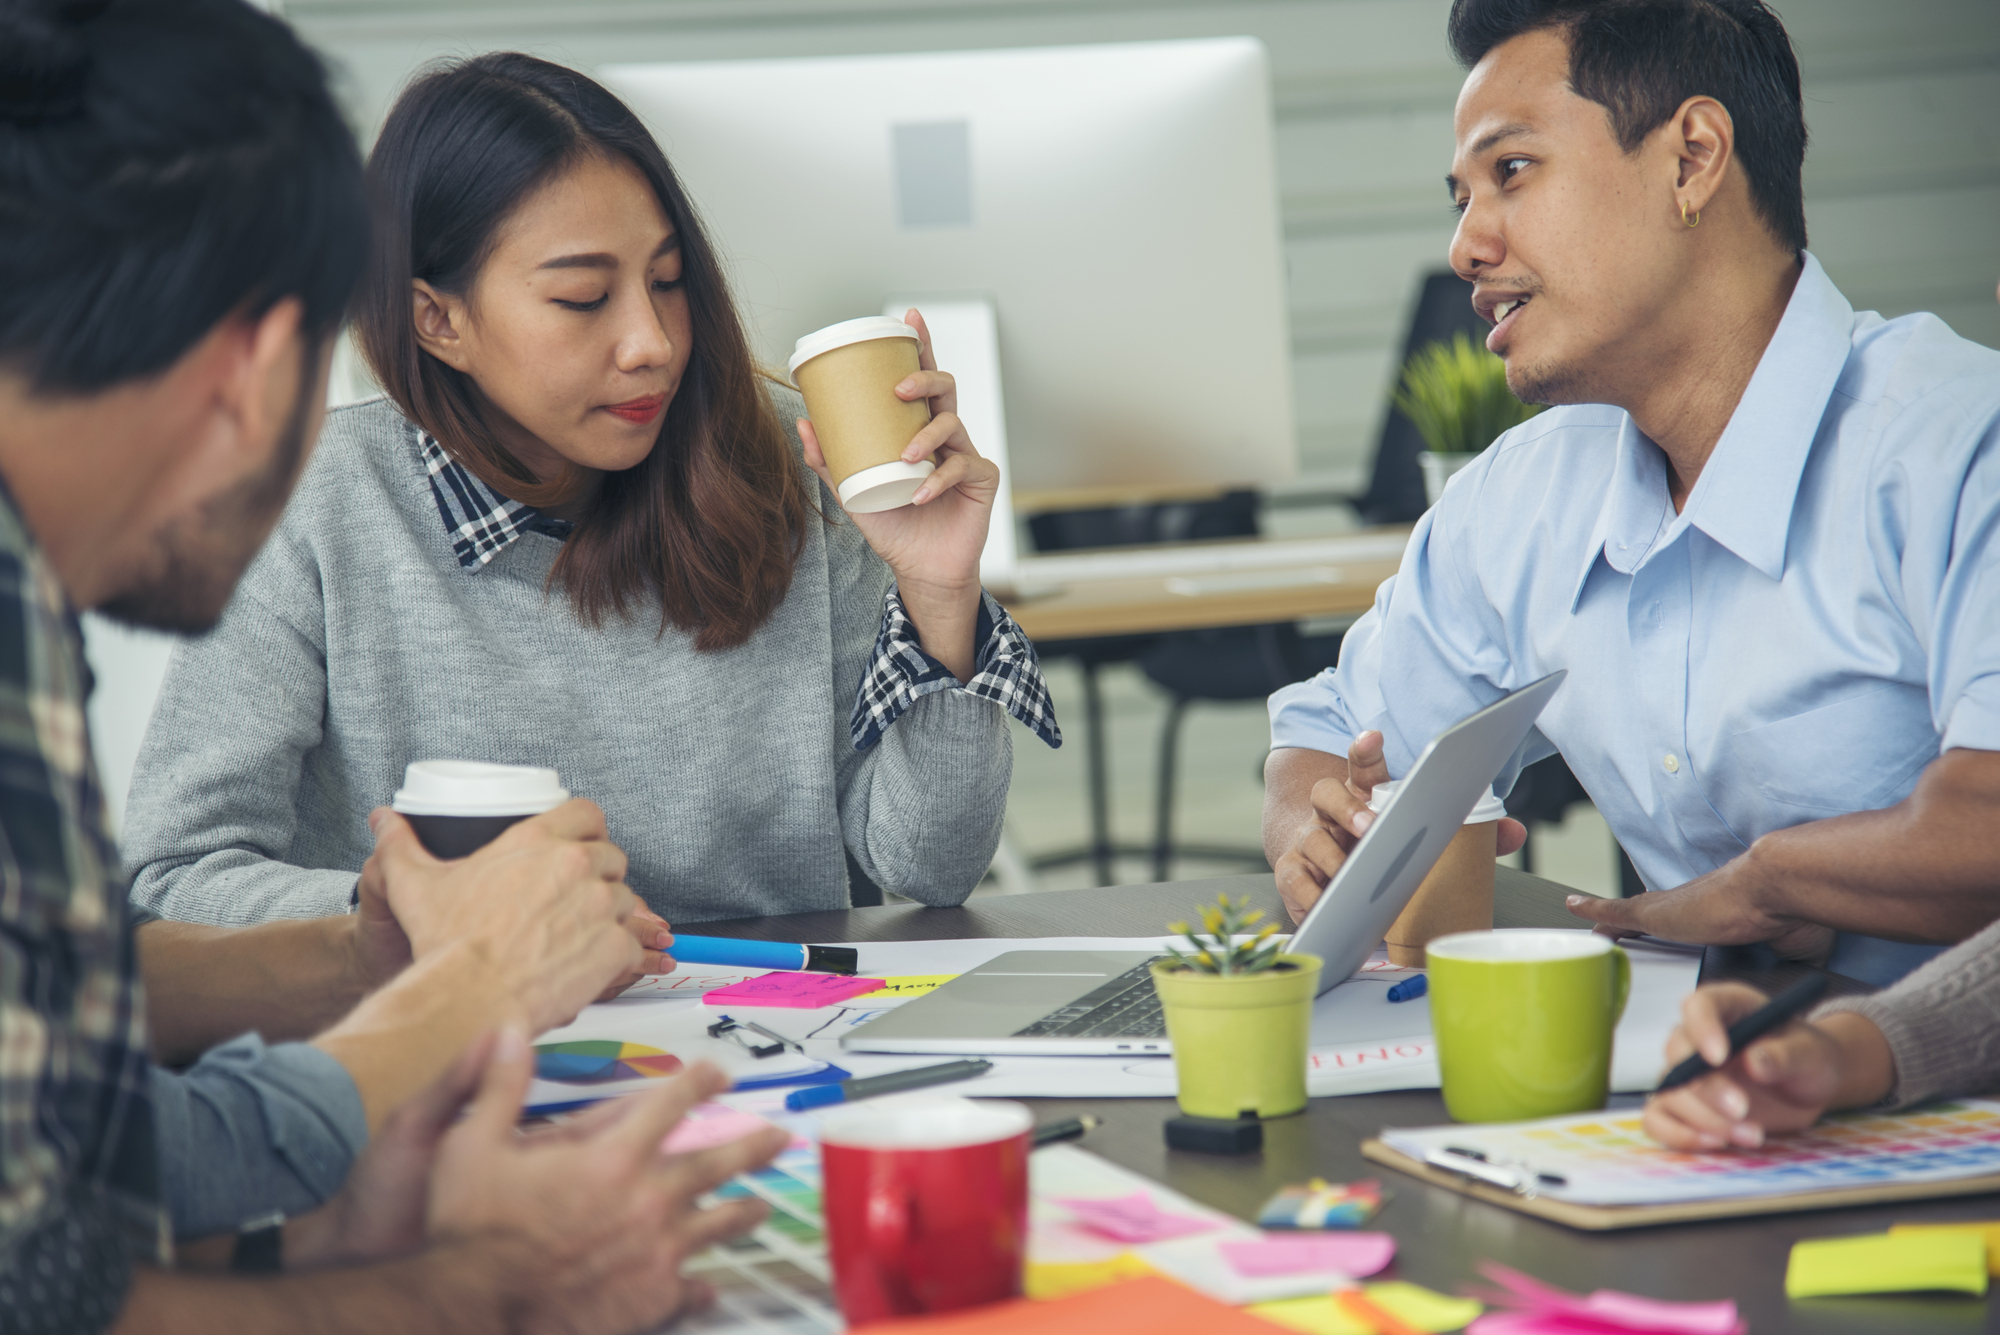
(1059, 1279)
(909, 985)
(1887, 1263)
(1988, 1229)
(1413, 1305)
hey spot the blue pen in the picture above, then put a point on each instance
(764, 954)
(1409, 989)
(868, 1087)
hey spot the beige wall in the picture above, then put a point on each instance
(1903, 100)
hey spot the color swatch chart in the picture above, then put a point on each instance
(775, 1280)
(1608, 1160)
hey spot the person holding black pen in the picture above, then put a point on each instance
(1934, 1034)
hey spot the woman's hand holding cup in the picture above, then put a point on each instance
(934, 542)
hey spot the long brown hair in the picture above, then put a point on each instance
(712, 520)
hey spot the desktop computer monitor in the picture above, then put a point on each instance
(1115, 207)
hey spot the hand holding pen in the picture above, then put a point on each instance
(1739, 1088)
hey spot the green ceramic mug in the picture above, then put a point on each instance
(1524, 1018)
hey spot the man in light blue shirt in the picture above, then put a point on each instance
(1761, 542)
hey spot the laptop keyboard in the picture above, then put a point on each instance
(1125, 1007)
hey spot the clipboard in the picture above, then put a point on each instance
(1604, 1218)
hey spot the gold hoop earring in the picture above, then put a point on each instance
(1684, 216)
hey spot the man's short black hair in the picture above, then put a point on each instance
(164, 164)
(1640, 59)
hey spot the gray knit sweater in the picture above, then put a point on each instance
(1942, 1022)
(358, 643)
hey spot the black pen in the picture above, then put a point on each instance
(868, 1087)
(1784, 1007)
(1070, 1128)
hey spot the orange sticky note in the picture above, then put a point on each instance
(1357, 1306)
(1155, 1306)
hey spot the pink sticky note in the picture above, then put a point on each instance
(1132, 1218)
(1655, 1314)
(797, 991)
(706, 1132)
(1352, 1254)
(1552, 1311)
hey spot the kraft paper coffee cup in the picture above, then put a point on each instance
(457, 807)
(1457, 896)
(848, 373)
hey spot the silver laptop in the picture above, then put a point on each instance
(1102, 1003)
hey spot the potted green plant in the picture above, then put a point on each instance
(1456, 395)
(1239, 1011)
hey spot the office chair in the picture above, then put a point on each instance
(1224, 664)
(1232, 515)
(1395, 492)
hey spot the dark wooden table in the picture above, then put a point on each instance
(1441, 1235)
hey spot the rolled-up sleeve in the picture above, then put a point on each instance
(1431, 638)
(1964, 612)
(251, 1130)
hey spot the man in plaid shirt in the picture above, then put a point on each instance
(181, 226)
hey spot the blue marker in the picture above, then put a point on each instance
(764, 954)
(1409, 989)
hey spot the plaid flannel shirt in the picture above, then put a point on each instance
(482, 523)
(79, 1197)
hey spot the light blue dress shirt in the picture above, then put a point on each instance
(1816, 625)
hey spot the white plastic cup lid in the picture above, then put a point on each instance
(925, 1122)
(1489, 808)
(844, 333)
(475, 788)
(887, 486)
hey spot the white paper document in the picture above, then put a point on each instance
(1361, 1041)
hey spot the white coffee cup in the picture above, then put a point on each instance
(848, 373)
(459, 806)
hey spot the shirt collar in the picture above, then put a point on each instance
(480, 522)
(1744, 497)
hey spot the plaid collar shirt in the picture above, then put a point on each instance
(482, 523)
(79, 1198)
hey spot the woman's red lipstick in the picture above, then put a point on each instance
(639, 411)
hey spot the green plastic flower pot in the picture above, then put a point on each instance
(1240, 1039)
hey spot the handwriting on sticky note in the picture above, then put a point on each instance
(1351, 1254)
(1887, 1263)
(911, 985)
(795, 991)
(1133, 1218)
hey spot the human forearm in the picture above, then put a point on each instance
(1940, 1026)
(1924, 870)
(285, 980)
(922, 809)
(947, 619)
(1289, 776)
(401, 1037)
(446, 1290)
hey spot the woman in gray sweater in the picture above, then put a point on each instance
(577, 533)
(1934, 1034)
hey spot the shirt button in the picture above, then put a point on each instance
(1673, 763)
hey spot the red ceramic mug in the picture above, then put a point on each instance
(926, 1201)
